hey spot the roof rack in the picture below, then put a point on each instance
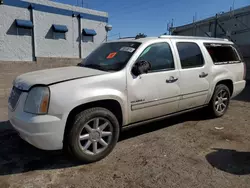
(192, 37)
(127, 38)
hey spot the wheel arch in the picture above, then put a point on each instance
(111, 104)
(228, 83)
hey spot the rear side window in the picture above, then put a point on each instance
(190, 55)
(222, 54)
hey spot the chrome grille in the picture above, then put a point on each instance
(14, 97)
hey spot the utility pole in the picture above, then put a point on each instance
(170, 26)
(233, 7)
(194, 20)
(215, 25)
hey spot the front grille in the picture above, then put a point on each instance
(14, 97)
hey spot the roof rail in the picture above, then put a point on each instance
(192, 37)
(127, 38)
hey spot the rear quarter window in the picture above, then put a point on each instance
(223, 53)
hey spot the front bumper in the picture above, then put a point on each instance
(42, 131)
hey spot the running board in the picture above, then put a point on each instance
(161, 118)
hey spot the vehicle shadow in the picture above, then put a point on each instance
(17, 156)
(230, 161)
(130, 132)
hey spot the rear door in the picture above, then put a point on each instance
(194, 74)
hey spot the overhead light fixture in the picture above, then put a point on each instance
(108, 27)
(1, 2)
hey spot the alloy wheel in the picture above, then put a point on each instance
(221, 101)
(95, 136)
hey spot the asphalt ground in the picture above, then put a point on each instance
(190, 150)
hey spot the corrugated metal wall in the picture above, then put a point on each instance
(234, 25)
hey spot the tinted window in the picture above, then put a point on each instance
(222, 53)
(159, 55)
(190, 55)
(58, 35)
(88, 38)
(111, 56)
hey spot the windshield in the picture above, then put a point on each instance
(110, 56)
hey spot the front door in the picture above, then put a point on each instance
(194, 75)
(156, 93)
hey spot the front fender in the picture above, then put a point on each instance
(65, 104)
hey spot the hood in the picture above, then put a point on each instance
(51, 76)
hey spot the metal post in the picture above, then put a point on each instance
(31, 8)
(80, 35)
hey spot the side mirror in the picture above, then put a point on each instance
(141, 67)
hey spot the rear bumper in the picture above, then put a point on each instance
(238, 87)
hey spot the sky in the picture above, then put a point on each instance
(129, 17)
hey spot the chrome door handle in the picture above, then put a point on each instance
(171, 79)
(203, 75)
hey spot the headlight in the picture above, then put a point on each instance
(37, 101)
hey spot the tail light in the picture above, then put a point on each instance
(245, 71)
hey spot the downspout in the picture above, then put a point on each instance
(80, 35)
(31, 8)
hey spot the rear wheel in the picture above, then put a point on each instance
(93, 135)
(220, 101)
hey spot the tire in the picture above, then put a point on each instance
(90, 124)
(221, 91)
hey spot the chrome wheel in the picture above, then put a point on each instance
(95, 136)
(221, 101)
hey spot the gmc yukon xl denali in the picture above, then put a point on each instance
(125, 82)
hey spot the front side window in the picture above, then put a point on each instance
(190, 55)
(159, 56)
(222, 53)
(111, 56)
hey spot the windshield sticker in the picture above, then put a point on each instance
(111, 55)
(127, 49)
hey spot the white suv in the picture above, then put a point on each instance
(126, 82)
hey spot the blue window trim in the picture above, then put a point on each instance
(88, 32)
(54, 10)
(60, 28)
(27, 24)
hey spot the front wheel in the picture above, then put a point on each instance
(93, 135)
(220, 101)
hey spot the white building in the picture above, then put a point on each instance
(42, 28)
